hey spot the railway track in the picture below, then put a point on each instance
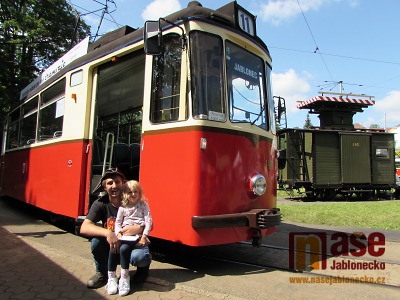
(382, 271)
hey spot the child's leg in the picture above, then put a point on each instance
(124, 282)
(113, 259)
(125, 254)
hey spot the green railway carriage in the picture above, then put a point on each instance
(336, 158)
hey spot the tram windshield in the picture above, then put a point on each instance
(246, 89)
(245, 77)
(207, 76)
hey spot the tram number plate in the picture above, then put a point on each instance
(216, 116)
(246, 22)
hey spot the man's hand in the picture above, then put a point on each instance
(143, 241)
(113, 240)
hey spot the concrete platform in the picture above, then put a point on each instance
(41, 261)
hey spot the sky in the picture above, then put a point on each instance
(314, 45)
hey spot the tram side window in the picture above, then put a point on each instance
(130, 127)
(120, 90)
(206, 53)
(166, 81)
(28, 122)
(13, 129)
(51, 114)
(126, 126)
(270, 101)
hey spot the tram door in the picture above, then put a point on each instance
(118, 116)
(356, 161)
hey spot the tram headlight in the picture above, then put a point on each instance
(258, 185)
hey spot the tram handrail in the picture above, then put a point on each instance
(106, 151)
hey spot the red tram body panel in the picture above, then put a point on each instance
(213, 181)
(51, 177)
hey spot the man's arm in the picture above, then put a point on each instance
(90, 229)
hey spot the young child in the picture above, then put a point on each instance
(133, 211)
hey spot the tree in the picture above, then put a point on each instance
(374, 126)
(307, 123)
(33, 35)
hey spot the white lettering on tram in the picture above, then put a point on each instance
(246, 71)
(76, 52)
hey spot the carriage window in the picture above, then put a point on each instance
(206, 54)
(246, 86)
(382, 153)
(51, 114)
(28, 123)
(13, 129)
(166, 81)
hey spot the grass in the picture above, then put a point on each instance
(377, 215)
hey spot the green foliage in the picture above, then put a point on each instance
(374, 126)
(33, 34)
(307, 123)
(371, 214)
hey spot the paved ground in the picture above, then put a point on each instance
(40, 261)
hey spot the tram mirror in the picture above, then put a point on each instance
(282, 159)
(280, 110)
(152, 38)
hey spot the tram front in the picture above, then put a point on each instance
(208, 159)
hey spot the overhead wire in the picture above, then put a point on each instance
(317, 50)
(95, 12)
(315, 42)
(346, 57)
(336, 55)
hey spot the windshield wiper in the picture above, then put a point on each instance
(259, 115)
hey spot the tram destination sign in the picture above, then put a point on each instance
(76, 52)
(245, 70)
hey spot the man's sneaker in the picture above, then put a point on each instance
(112, 286)
(141, 274)
(97, 280)
(124, 286)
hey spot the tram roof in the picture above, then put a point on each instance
(344, 102)
(126, 35)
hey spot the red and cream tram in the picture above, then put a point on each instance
(184, 105)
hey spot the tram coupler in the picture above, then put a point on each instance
(267, 218)
(256, 237)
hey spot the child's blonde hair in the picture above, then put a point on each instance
(129, 186)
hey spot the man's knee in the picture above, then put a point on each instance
(98, 245)
(141, 257)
